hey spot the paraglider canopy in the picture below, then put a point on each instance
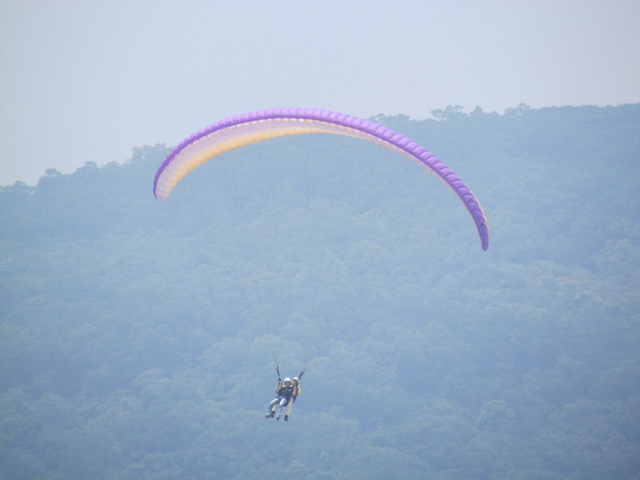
(245, 129)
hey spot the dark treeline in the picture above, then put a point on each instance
(139, 338)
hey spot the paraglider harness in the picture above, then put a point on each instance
(286, 396)
(288, 391)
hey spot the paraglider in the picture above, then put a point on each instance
(287, 392)
(244, 129)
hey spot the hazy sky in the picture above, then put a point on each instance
(88, 80)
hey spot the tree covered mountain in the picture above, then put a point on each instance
(139, 338)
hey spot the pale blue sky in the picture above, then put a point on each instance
(88, 80)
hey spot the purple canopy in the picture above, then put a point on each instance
(248, 128)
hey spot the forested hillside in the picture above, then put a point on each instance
(138, 338)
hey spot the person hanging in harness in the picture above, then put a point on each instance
(286, 394)
(296, 391)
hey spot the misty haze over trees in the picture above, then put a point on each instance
(139, 337)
